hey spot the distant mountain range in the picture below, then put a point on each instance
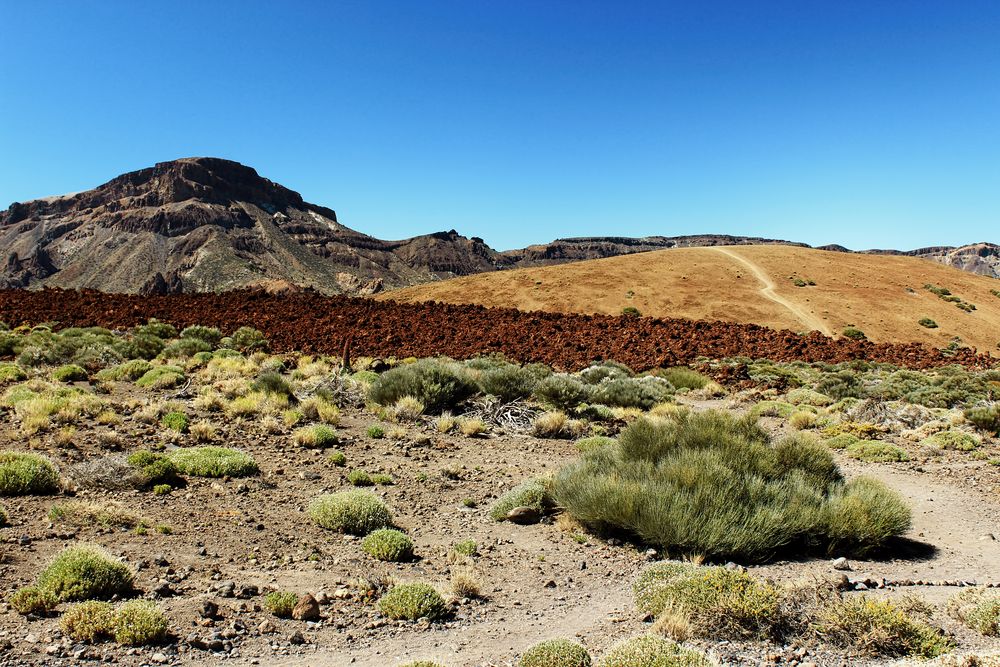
(208, 224)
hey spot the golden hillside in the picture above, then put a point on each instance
(884, 296)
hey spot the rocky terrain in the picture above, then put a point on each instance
(208, 224)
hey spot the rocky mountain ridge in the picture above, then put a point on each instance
(208, 224)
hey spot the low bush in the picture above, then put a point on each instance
(272, 383)
(161, 377)
(281, 603)
(359, 477)
(248, 339)
(861, 515)
(69, 373)
(408, 408)
(555, 653)
(466, 548)
(986, 418)
(683, 377)
(355, 512)
(927, 323)
(594, 442)
(853, 333)
(439, 385)
(175, 421)
(563, 392)
(182, 348)
(957, 440)
(317, 436)
(806, 396)
(152, 468)
(33, 600)
(82, 513)
(879, 627)
(388, 544)
(89, 621)
(85, 573)
(155, 328)
(470, 428)
(641, 393)
(714, 601)
(874, 451)
(802, 420)
(842, 441)
(773, 409)
(11, 373)
(556, 424)
(978, 609)
(130, 370)
(508, 383)
(375, 432)
(605, 370)
(24, 474)
(210, 335)
(651, 651)
(209, 461)
(412, 601)
(140, 623)
(532, 493)
(712, 484)
(338, 459)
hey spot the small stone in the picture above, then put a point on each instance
(307, 609)
(323, 597)
(550, 584)
(523, 515)
(267, 627)
(159, 658)
(841, 564)
(988, 537)
(209, 609)
(297, 638)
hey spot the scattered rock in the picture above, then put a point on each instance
(841, 564)
(523, 515)
(307, 609)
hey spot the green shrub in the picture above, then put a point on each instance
(153, 468)
(375, 432)
(842, 441)
(337, 458)
(161, 377)
(605, 370)
(466, 548)
(281, 603)
(437, 384)
(162, 489)
(531, 493)
(130, 370)
(89, 621)
(841, 384)
(69, 373)
(879, 627)
(214, 462)
(508, 383)
(388, 544)
(183, 348)
(853, 333)
(651, 651)
(210, 335)
(874, 451)
(806, 396)
(986, 418)
(585, 445)
(562, 391)
(272, 383)
(641, 393)
(978, 609)
(927, 322)
(773, 409)
(248, 339)
(861, 515)
(957, 440)
(631, 311)
(412, 601)
(11, 373)
(85, 573)
(715, 601)
(33, 600)
(683, 377)
(356, 512)
(359, 477)
(155, 328)
(140, 623)
(175, 421)
(316, 436)
(713, 484)
(141, 346)
(24, 474)
(555, 653)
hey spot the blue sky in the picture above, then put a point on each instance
(865, 123)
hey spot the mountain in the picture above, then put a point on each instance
(778, 286)
(207, 224)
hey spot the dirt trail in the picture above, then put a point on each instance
(807, 318)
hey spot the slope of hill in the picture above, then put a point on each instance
(883, 295)
(205, 224)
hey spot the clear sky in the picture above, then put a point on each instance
(870, 123)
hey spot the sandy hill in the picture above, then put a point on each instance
(883, 295)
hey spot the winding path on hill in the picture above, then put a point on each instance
(768, 292)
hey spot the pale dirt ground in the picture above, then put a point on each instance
(884, 296)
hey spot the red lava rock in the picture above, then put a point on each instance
(313, 323)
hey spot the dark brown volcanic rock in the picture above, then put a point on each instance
(206, 224)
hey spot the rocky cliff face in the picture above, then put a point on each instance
(206, 224)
